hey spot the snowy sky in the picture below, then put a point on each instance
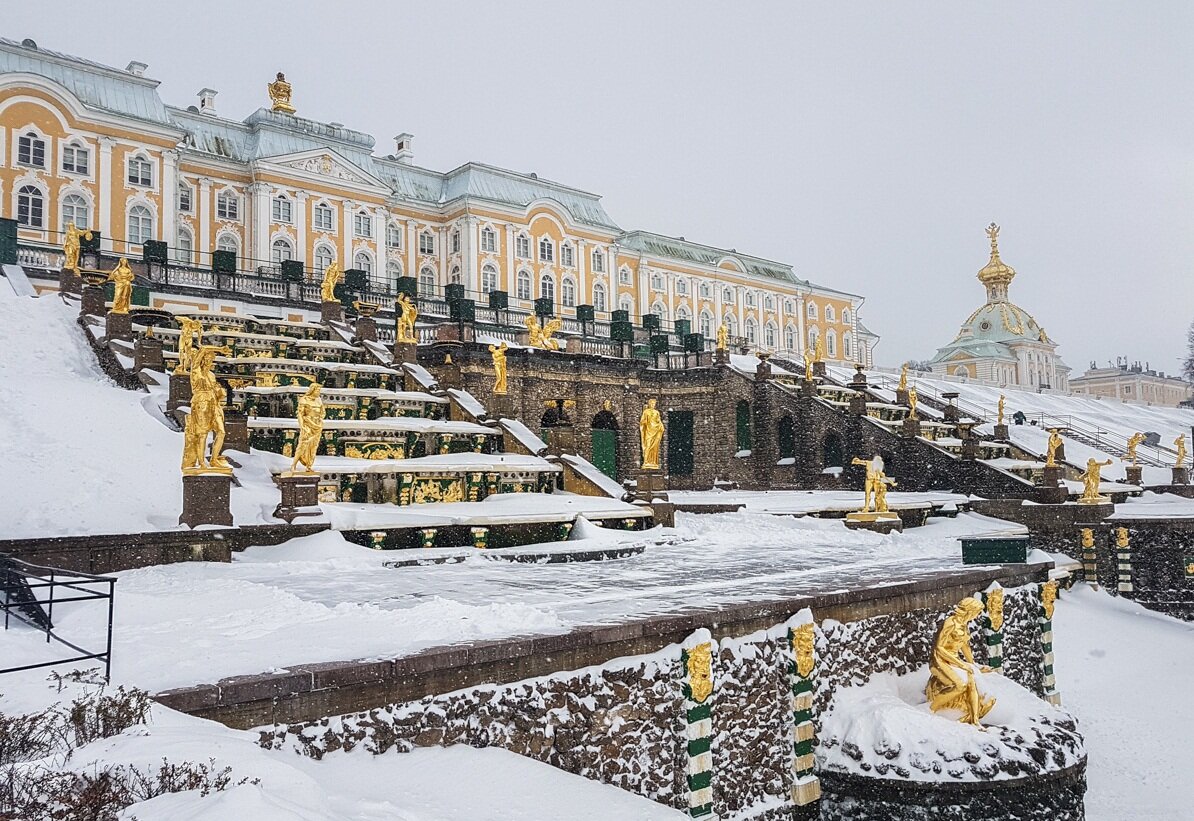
(868, 146)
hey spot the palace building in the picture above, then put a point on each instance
(90, 144)
(1001, 343)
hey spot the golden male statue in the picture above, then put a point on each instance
(1180, 444)
(1002, 399)
(71, 246)
(1054, 443)
(206, 417)
(407, 314)
(190, 336)
(723, 337)
(809, 358)
(820, 349)
(122, 294)
(498, 352)
(913, 400)
(650, 429)
(310, 419)
(952, 684)
(869, 489)
(1135, 441)
(331, 278)
(1091, 480)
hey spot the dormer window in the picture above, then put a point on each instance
(31, 150)
(140, 171)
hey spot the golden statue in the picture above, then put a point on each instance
(903, 386)
(206, 417)
(650, 428)
(71, 246)
(874, 493)
(279, 94)
(723, 337)
(1002, 399)
(1091, 480)
(1135, 441)
(809, 357)
(407, 314)
(952, 684)
(122, 295)
(331, 278)
(542, 335)
(1180, 444)
(1048, 598)
(804, 644)
(1054, 443)
(881, 485)
(700, 671)
(498, 352)
(819, 351)
(1121, 538)
(310, 419)
(995, 608)
(190, 336)
(913, 399)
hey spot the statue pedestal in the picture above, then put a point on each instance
(950, 413)
(561, 439)
(970, 447)
(902, 397)
(858, 404)
(1135, 475)
(205, 499)
(147, 354)
(69, 282)
(648, 485)
(93, 301)
(455, 332)
(819, 369)
(236, 431)
(808, 388)
(366, 328)
(721, 357)
(405, 352)
(118, 326)
(879, 522)
(1098, 500)
(910, 429)
(501, 406)
(180, 392)
(1051, 491)
(331, 312)
(1001, 433)
(1181, 476)
(300, 495)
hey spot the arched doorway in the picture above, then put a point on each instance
(786, 432)
(833, 451)
(605, 441)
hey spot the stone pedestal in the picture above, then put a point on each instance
(901, 397)
(69, 282)
(147, 354)
(721, 356)
(878, 522)
(455, 332)
(236, 431)
(300, 496)
(970, 447)
(93, 301)
(1097, 500)
(205, 499)
(819, 369)
(858, 404)
(331, 312)
(664, 512)
(118, 326)
(910, 429)
(405, 352)
(501, 406)
(1135, 475)
(808, 388)
(950, 413)
(366, 327)
(1181, 476)
(1051, 491)
(649, 485)
(180, 392)
(1001, 433)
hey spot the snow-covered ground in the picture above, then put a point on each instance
(796, 502)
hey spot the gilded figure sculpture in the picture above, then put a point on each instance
(1121, 538)
(809, 357)
(700, 671)
(310, 419)
(650, 427)
(190, 337)
(995, 608)
(71, 246)
(1002, 399)
(407, 313)
(913, 400)
(498, 352)
(331, 278)
(542, 336)
(882, 483)
(205, 417)
(279, 94)
(1091, 480)
(1054, 443)
(122, 294)
(804, 644)
(874, 495)
(903, 386)
(952, 681)
(723, 337)
(1134, 441)
(1180, 444)
(819, 349)
(1049, 598)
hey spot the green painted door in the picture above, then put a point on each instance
(679, 443)
(605, 452)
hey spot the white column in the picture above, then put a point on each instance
(412, 249)
(259, 241)
(511, 273)
(739, 300)
(644, 287)
(800, 314)
(442, 249)
(718, 308)
(169, 197)
(669, 285)
(203, 241)
(471, 274)
(300, 227)
(346, 236)
(380, 223)
(105, 191)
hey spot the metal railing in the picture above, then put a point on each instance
(19, 598)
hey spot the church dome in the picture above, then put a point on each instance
(996, 271)
(1002, 322)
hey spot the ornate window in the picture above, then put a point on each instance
(727, 295)
(624, 275)
(790, 338)
(731, 323)
(547, 287)
(454, 275)
(831, 344)
(228, 242)
(769, 302)
(488, 240)
(393, 270)
(362, 224)
(140, 228)
(76, 158)
(656, 281)
(706, 290)
(598, 261)
(489, 278)
(682, 286)
(281, 210)
(683, 313)
(524, 285)
(567, 255)
(426, 243)
(812, 310)
(281, 251)
(363, 261)
(547, 250)
(750, 299)
(752, 331)
(393, 235)
(846, 345)
(323, 217)
(522, 246)
(74, 209)
(626, 303)
(31, 150)
(185, 251)
(455, 240)
(427, 281)
(324, 255)
(568, 293)
(659, 310)
(140, 171)
(770, 333)
(812, 337)
(829, 314)
(185, 198)
(845, 319)
(228, 206)
(598, 297)
(706, 324)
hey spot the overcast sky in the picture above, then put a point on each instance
(867, 144)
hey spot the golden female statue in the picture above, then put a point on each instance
(881, 485)
(71, 246)
(407, 314)
(1135, 441)
(913, 399)
(331, 278)
(903, 386)
(122, 294)
(498, 352)
(190, 336)
(650, 428)
(820, 349)
(723, 337)
(808, 363)
(999, 420)
(1054, 443)
(279, 96)
(310, 419)
(1091, 480)
(206, 417)
(1180, 444)
(952, 685)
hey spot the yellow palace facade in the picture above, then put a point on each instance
(95, 145)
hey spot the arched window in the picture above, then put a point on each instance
(598, 261)
(186, 197)
(393, 235)
(547, 250)
(522, 246)
(769, 334)
(455, 240)
(731, 323)
(831, 344)
(281, 251)
(547, 287)
(624, 275)
(812, 310)
(184, 254)
(140, 171)
(659, 310)
(790, 337)
(31, 212)
(750, 299)
(682, 286)
(706, 324)
(454, 275)
(626, 303)
(427, 281)
(489, 279)
(281, 209)
(524, 285)
(227, 206)
(363, 261)
(31, 150)
(846, 346)
(568, 293)
(76, 158)
(752, 331)
(598, 297)
(683, 313)
(393, 270)
(140, 229)
(324, 254)
(845, 316)
(742, 425)
(829, 315)
(74, 209)
(812, 338)
(488, 240)
(426, 243)
(228, 242)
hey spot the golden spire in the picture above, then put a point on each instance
(996, 274)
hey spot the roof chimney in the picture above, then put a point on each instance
(404, 148)
(136, 68)
(207, 101)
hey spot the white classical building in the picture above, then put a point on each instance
(1000, 342)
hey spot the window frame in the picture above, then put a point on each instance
(524, 285)
(76, 147)
(130, 216)
(143, 164)
(488, 240)
(361, 219)
(394, 232)
(37, 145)
(426, 243)
(185, 190)
(66, 198)
(323, 209)
(546, 249)
(36, 200)
(225, 198)
(281, 250)
(281, 210)
(489, 278)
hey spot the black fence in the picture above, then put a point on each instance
(29, 592)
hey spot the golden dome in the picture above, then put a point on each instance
(996, 271)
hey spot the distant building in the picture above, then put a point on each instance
(1001, 343)
(1134, 382)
